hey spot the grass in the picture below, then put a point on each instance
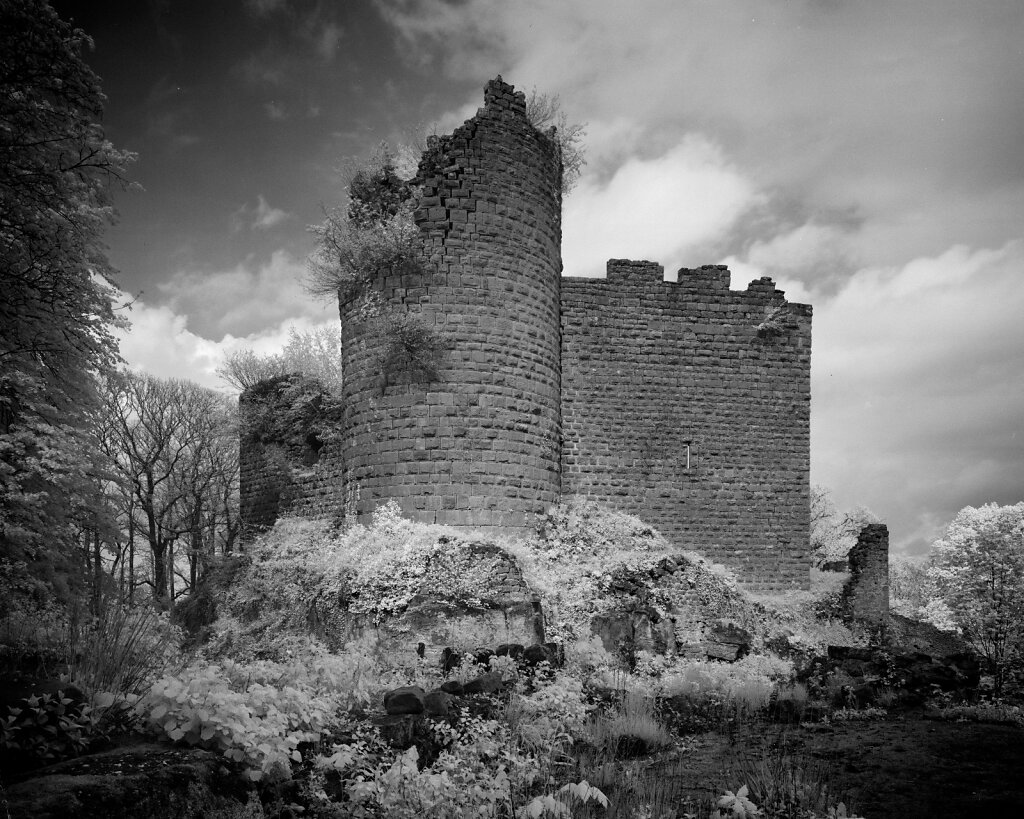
(630, 729)
(783, 782)
(119, 651)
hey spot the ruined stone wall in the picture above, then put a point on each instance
(477, 443)
(866, 594)
(288, 461)
(688, 405)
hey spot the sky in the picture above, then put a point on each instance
(868, 156)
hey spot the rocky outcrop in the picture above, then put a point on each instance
(679, 605)
(150, 780)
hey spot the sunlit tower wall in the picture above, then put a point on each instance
(476, 443)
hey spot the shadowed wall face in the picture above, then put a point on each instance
(476, 442)
(688, 405)
(290, 460)
(866, 595)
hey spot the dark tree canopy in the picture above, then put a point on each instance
(57, 172)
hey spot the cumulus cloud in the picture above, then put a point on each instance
(830, 104)
(160, 342)
(260, 217)
(266, 216)
(244, 298)
(662, 209)
(917, 397)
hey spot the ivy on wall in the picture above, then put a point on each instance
(294, 412)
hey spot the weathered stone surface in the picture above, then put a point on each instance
(440, 704)
(728, 640)
(478, 445)
(484, 684)
(445, 628)
(513, 650)
(408, 699)
(721, 651)
(678, 409)
(536, 654)
(866, 594)
(150, 780)
(453, 687)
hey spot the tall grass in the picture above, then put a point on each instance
(630, 729)
(783, 782)
(121, 651)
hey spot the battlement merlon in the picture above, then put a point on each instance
(710, 279)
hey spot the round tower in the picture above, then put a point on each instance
(451, 365)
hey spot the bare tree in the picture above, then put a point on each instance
(545, 111)
(315, 354)
(171, 442)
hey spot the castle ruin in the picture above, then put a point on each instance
(684, 403)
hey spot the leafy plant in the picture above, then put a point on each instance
(736, 805)
(412, 350)
(52, 727)
(256, 714)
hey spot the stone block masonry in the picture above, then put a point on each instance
(478, 444)
(687, 404)
(684, 403)
(866, 594)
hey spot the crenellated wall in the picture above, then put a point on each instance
(688, 404)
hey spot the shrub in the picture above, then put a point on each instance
(257, 714)
(584, 552)
(52, 727)
(305, 576)
(631, 729)
(123, 650)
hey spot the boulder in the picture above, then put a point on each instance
(440, 704)
(727, 640)
(536, 654)
(405, 700)
(450, 660)
(721, 651)
(453, 687)
(513, 650)
(485, 684)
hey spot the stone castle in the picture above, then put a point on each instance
(684, 403)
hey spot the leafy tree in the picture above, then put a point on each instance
(174, 446)
(544, 111)
(977, 570)
(374, 231)
(834, 533)
(908, 585)
(57, 173)
(316, 354)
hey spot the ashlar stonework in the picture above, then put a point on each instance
(684, 403)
